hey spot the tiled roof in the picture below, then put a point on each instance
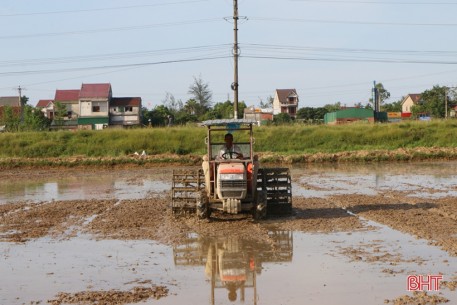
(414, 97)
(43, 103)
(125, 101)
(284, 93)
(95, 91)
(66, 95)
(12, 101)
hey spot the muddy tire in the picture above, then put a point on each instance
(202, 207)
(260, 209)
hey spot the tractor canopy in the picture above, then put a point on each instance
(240, 129)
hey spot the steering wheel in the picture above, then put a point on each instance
(231, 154)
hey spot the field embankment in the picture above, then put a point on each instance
(406, 141)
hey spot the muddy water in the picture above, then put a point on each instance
(365, 266)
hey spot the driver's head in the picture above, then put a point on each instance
(228, 138)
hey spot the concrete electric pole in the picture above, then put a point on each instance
(19, 90)
(235, 58)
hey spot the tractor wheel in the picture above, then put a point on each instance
(260, 208)
(203, 211)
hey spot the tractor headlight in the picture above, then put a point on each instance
(232, 177)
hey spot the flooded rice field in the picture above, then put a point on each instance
(359, 234)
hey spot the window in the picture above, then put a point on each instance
(95, 108)
(129, 109)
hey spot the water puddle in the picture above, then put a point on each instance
(290, 267)
(74, 185)
(293, 268)
(425, 180)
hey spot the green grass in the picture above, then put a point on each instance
(286, 140)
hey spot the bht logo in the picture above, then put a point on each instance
(421, 283)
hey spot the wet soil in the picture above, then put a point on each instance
(433, 219)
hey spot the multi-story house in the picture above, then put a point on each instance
(285, 101)
(70, 99)
(125, 111)
(94, 102)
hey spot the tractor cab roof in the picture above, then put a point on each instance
(228, 122)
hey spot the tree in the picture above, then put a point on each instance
(60, 113)
(282, 118)
(11, 119)
(171, 103)
(192, 107)
(34, 120)
(268, 103)
(311, 114)
(225, 110)
(432, 102)
(333, 108)
(393, 107)
(201, 94)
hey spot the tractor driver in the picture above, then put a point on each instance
(229, 150)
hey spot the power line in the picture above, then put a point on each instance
(110, 56)
(275, 19)
(269, 47)
(377, 2)
(10, 73)
(117, 29)
(216, 49)
(101, 9)
(403, 61)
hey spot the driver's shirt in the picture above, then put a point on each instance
(224, 150)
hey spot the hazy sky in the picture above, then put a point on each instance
(329, 51)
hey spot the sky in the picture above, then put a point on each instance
(328, 50)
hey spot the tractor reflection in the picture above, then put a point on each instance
(234, 263)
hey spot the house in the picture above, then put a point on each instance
(70, 99)
(285, 101)
(409, 101)
(94, 102)
(125, 111)
(92, 107)
(10, 101)
(47, 107)
(258, 114)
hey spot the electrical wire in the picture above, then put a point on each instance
(101, 9)
(118, 29)
(377, 2)
(28, 72)
(276, 19)
(111, 56)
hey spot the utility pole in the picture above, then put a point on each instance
(445, 102)
(375, 97)
(19, 90)
(235, 58)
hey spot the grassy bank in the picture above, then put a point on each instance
(291, 144)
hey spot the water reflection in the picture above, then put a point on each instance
(77, 184)
(421, 179)
(232, 264)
